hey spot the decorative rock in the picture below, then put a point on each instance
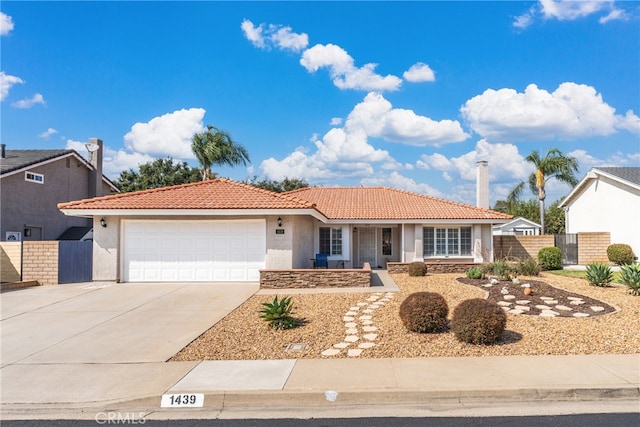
(367, 322)
(576, 302)
(370, 337)
(597, 308)
(509, 297)
(362, 304)
(366, 345)
(581, 314)
(543, 307)
(488, 285)
(546, 298)
(351, 338)
(574, 298)
(369, 328)
(348, 319)
(330, 352)
(504, 304)
(351, 325)
(549, 313)
(523, 301)
(563, 308)
(551, 302)
(372, 299)
(342, 345)
(515, 311)
(364, 318)
(522, 308)
(367, 311)
(351, 313)
(354, 352)
(356, 308)
(505, 308)
(352, 331)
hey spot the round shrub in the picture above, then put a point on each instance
(478, 321)
(550, 258)
(417, 269)
(474, 273)
(424, 312)
(620, 254)
(528, 267)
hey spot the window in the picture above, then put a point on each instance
(34, 177)
(446, 241)
(331, 241)
(386, 241)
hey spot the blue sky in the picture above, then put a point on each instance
(407, 95)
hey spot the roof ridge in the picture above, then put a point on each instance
(272, 193)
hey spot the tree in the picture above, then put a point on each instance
(287, 184)
(216, 147)
(156, 174)
(553, 217)
(553, 165)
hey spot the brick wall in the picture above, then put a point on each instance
(592, 247)
(520, 247)
(40, 262)
(10, 261)
(315, 278)
(432, 267)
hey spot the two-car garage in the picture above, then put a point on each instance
(193, 250)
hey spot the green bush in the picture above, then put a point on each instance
(474, 273)
(498, 268)
(630, 277)
(424, 312)
(278, 313)
(528, 267)
(550, 258)
(620, 254)
(417, 269)
(478, 321)
(599, 274)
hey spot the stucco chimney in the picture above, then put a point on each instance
(482, 184)
(94, 147)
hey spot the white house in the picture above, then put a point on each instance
(518, 226)
(607, 199)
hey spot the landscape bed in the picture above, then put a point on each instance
(243, 335)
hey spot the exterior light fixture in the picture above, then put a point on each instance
(279, 222)
(103, 223)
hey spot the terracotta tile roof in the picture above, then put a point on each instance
(213, 194)
(362, 203)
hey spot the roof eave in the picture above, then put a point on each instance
(190, 212)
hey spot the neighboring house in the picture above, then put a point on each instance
(606, 199)
(518, 226)
(221, 230)
(33, 182)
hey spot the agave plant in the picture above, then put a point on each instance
(278, 313)
(599, 274)
(630, 277)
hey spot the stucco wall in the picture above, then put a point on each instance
(302, 245)
(607, 206)
(279, 243)
(106, 249)
(10, 261)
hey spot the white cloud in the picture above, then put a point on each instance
(166, 135)
(115, 162)
(570, 10)
(47, 133)
(526, 19)
(629, 122)
(419, 72)
(6, 24)
(78, 146)
(378, 118)
(29, 102)
(282, 37)
(395, 180)
(342, 70)
(614, 15)
(571, 111)
(6, 83)
(336, 121)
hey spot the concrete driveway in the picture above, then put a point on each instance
(110, 323)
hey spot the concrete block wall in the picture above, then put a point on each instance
(315, 278)
(40, 262)
(520, 247)
(10, 261)
(592, 247)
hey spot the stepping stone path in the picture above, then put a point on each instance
(359, 330)
(550, 308)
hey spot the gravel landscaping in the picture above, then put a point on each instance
(243, 335)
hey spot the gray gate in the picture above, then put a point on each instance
(75, 261)
(568, 245)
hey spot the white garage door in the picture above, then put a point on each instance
(193, 251)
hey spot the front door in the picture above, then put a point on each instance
(367, 246)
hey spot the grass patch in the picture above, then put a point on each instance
(580, 274)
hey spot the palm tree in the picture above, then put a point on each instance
(215, 147)
(553, 165)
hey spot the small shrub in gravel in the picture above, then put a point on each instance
(424, 312)
(620, 254)
(417, 269)
(499, 268)
(550, 258)
(528, 267)
(474, 273)
(478, 321)
(599, 274)
(630, 277)
(278, 313)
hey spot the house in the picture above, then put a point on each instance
(33, 182)
(607, 199)
(518, 226)
(221, 230)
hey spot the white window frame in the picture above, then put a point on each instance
(38, 178)
(344, 247)
(443, 237)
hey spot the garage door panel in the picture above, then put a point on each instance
(193, 250)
